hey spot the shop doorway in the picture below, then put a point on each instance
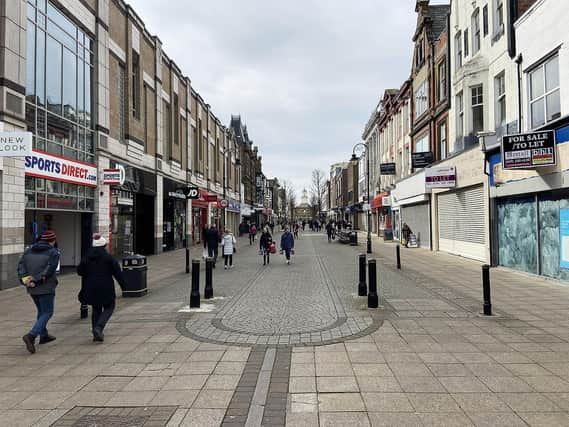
(144, 224)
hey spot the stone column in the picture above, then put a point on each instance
(12, 118)
(159, 214)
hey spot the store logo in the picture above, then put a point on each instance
(15, 144)
(57, 168)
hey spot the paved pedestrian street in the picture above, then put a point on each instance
(294, 345)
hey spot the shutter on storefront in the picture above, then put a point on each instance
(417, 218)
(462, 227)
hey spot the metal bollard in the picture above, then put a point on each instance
(398, 256)
(372, 298)
(187, 259)
(195, 293)
(362, 286)
(208, 292)
(486, 290)
(84, 311)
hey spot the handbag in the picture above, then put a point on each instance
(234, 249)
(204, 254)
(273, 248)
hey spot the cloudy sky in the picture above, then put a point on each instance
(304, 75)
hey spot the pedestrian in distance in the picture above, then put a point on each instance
(98, 268)
(329, 231)
(265, 243)
(252, 233)
(229, 247)
(287, 244)
(212, 241)
(296, 227)
(36, 271)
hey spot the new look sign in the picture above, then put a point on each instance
(57, 168)
(15, 144)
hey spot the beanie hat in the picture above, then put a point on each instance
(48, 236)
(98, 240)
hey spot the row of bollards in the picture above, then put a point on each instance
(372, 297)
(195, 290)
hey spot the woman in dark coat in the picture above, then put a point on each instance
(265, 245)
(98, 268)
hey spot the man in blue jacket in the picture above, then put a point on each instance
(36, 271)
(287, 244)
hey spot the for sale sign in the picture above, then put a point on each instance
(529, 150)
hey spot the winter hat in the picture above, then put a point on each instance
(48, 236)
(98, 241)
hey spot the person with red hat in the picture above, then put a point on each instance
(36, 271)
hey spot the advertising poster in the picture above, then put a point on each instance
(564, 238)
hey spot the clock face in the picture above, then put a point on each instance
(359, 150)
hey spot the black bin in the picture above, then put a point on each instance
(134, 269)
(353, 238)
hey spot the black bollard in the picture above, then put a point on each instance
(187, 259)
(84, 311)
(195, 293)
(372, 299)
(398, 255)
(486, 290)
(362, 286)
(208, 292)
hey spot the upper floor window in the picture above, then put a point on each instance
(442, 140)
(477, 103)
(135, 85)
(500, 89)
(466, 42)
(458, 50)
(498, 18)
(459, 116)
(421, 99)
(422, 144)
(544, 94)
(442, 80)
(485, 19)
(476, 31)
(420, 53)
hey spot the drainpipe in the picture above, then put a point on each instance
(519, 59)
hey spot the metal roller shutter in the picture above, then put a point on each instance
(418, 219)
(462, 222)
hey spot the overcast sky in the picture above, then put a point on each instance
(303, 75)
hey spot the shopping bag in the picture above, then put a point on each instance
(204, 254)
(273, 248)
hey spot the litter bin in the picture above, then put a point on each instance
(134, 269)
(353, 238)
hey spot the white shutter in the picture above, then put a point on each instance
(461, 215)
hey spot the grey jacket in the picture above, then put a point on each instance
(40, 261)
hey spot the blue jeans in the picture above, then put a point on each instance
(44, 304)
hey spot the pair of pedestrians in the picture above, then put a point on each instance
(228, 245)
(37, 272)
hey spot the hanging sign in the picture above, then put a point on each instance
(421, 159)
(58, 168)
(114, 176)
(15, 144)
(528, 150)
(443, 177)
(387, 169)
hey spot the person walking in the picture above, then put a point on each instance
(98, 268)
(265, 245)
(329, 231)
(252, 233)
(228, 244)
(212, 242)
(36, 271)
(287, 244)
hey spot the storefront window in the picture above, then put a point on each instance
(549, 237)
(517, 234)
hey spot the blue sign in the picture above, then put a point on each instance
(564, 238)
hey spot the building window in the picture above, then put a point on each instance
(500, 89)
(466, 42)
(422, 145)
(421, 99)
(442, 86)
(176, 129)
(442, 136)
(167, 126)
(545, 102)
(477, 103)
(420, 53)
(476, 31)
(459, 116)
(498, 19)
(135, 85)
(122, 102)
(195, 148)
(485, 20)
(146, 113)
(458, 50)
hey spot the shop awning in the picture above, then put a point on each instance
(377, 202)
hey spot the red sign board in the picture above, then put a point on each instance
(210, 197)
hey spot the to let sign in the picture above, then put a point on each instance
(387, 168)
(529, 150)
(443, 177)
(15, 144)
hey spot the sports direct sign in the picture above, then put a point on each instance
(57, 168)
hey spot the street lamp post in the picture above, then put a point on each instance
(355, 159)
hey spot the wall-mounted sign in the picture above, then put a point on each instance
(210, 198)
(114, 176)
(441, 177)
(528, 150)
(223, 203)
(176, 195)
(192, 192)
(387, 169)
(15, 144)
(57, 168)
(421, 159)
(386, 201)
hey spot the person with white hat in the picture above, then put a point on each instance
(98, 268)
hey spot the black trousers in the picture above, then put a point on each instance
(228, 260)
(101, 315)
(212, 253)
(266, 256)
